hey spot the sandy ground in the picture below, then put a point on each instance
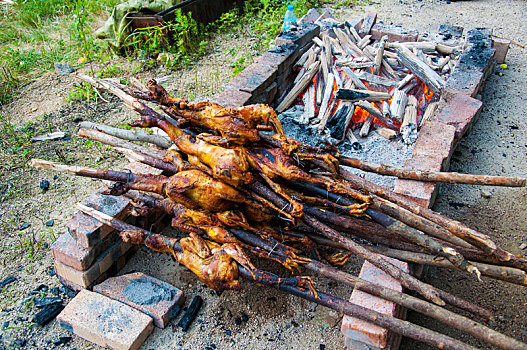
(261, 318)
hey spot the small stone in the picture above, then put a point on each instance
(6, 324)
(24, 226)
(65, 290)
(485, 194)
(61, 340)
(55, 177)
(50, 223)
(7, 280)
(63, 68)
(245, 318)
(20, 343)
(322, 347)
(227, 332)
(44, 185)
(41, 288)
(238, 321)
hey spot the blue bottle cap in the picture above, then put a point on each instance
(290, 7)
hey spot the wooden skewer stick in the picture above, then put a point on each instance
(434, 176)
(503, 273)
(477, 239)
(136, 135)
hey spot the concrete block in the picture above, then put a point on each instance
(156, 298)
(365, 334)
(232, 98)
(104, 262)
(105, 322)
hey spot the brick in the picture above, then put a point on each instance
(232, 98)
(436, 141)
(280, 57)
(479, 35)
(303, 35)
(423, 193)
(88, 231)
(310, 17)
(460, 111)
(267, 96)
(464, 80)
(394, 33)
(105, 322)
(455, 31)
(253, 79)
(66, 250)
(156, 298)
(104, 262)
(367, 24)
(357, 331)
(502, 48)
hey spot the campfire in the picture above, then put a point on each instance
(347, 81)
(237, 186)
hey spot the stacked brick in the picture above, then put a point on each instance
(90, 252)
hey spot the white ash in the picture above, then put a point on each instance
(375, 148)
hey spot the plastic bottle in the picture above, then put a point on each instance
(290, 18)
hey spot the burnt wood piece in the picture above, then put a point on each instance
(47, 313)
(191, 313)
(338, 123)
(420, 69)
(353, 95)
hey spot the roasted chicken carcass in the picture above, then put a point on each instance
(236, 125)
(227, 164)
(215, 264)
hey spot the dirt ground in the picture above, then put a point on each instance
(259, 318)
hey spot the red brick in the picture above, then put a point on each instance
(166, 299)
(267, 96)
(423, 193)
(310, 17)
(394, 33)
(303, 35)
(253, 79)
(367, 24)
(464, 80)
(104, 262)
(460, 111)
(358, 331)
(280, 57)
(105, 322)
(436, 139)
(502, 48)
(66, 250)
(88, 231)
(232, 98)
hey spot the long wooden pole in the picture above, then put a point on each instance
(433, 176)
